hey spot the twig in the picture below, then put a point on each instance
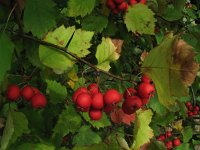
(9, 16)
(58, 48)
(193, 96)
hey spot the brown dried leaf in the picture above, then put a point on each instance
(118, 44)
(118, 116)
(144, 55)
(183, 55)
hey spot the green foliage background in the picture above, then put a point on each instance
(85, 28)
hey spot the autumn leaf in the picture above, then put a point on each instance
(106, 53)
(178, 125)
(184, 57)
(144, 55)
(118, 44)
(172, 68)
(118, 116)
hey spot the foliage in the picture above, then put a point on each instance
(58, 46)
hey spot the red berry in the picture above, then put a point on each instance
(168, 134)
(161, 137)
(145, 101)
(95, 114)
(84, 100)
(13, 92)
(190, 114)
(27, 92)
(188, 104)
(131, 104)
(112, 96)
(129, 92)
(77, 92)
(176, 142)
(93, 88)
(109, 108)
(111, 4)
(35, 90)
(115, 11)
(38, 101)
(119, 1)
(132, 2)
(195, 112)
(126, 8)
(196, 108)
(190, 108)
(146, 79)
(143, 1)
(97, 101)
(122, 6)
(146, 90)
(169, 145)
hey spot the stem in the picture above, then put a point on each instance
(58, 48)
(9, 16)
(193, 96)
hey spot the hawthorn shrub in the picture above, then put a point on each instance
(99, 74)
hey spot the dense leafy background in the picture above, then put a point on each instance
(87, 29)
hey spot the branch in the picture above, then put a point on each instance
(74, 56)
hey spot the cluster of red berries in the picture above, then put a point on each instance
(192, 110)
(29, 94)
(118, 6)
(135, 99)
(169, 141)
(91, 100)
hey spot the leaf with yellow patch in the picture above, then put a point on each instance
(106, 53)
(172, 68)
(142, 132)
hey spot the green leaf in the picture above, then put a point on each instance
(20, 123)
(86, 136)
(106, 53)
(102, 123)
(57, 60)
(183, 146)
(6, 51)
(32, 54)
(57, 92)
(39, 17)
(7, 133)
(158, 119)
(140, 19)
(172, 14)
(80, 8)
(80, 43)
(16, 126)
(187, 134)
(192, 38)
(182, 109)
(156, 145)
(69, 122)
(35, 146)
(100, 146)
(165, 73)
(162, 5)
(35, 119)
(179, 4)
(156, 106)
(122, 142)
(142, 132)
(94, 23)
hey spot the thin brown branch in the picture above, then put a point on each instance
(74, 56)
